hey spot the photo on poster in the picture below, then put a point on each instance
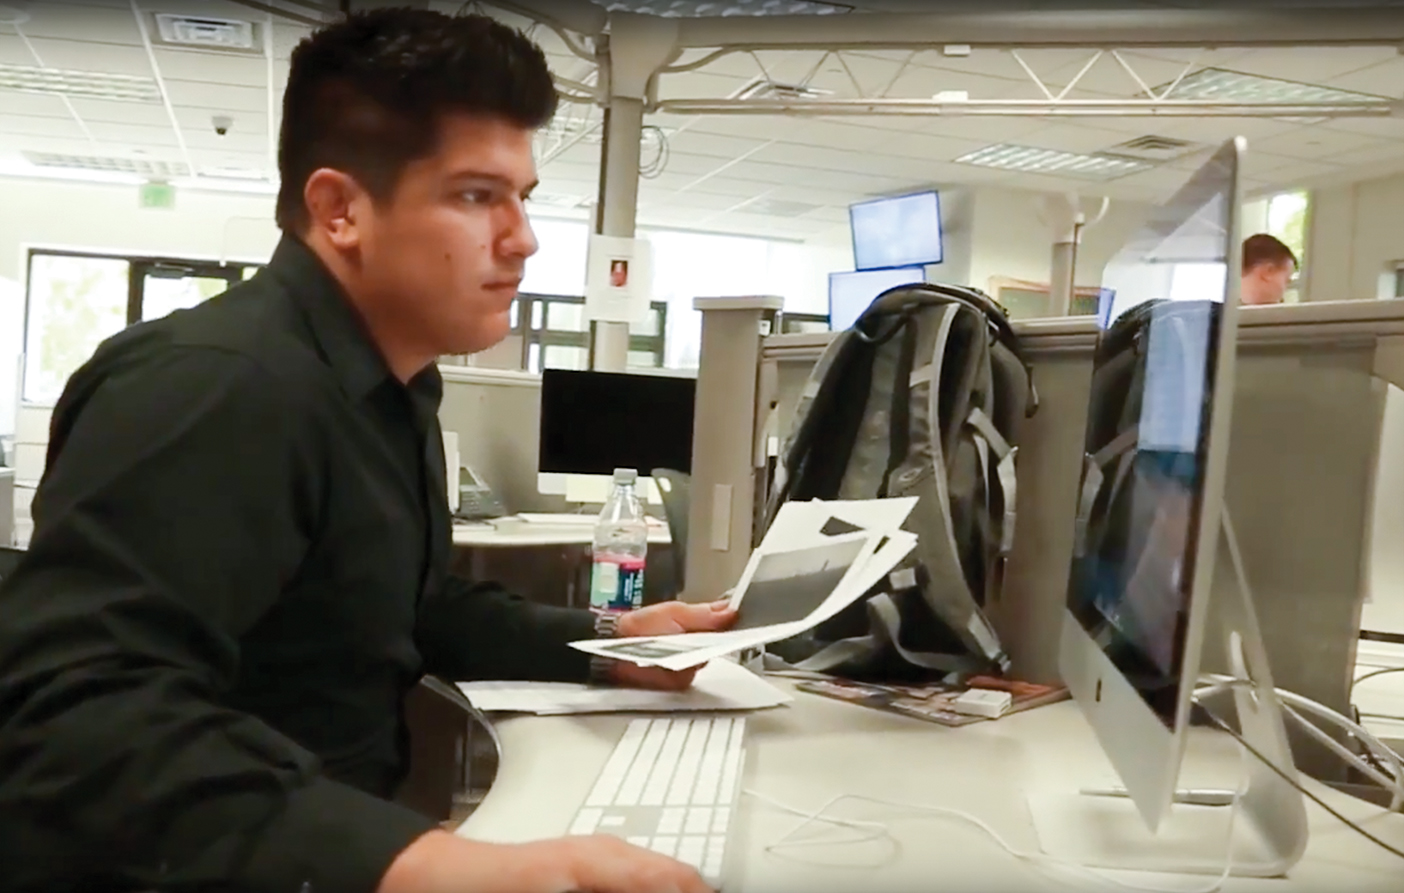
(788, 586)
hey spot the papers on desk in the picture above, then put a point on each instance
(721, 685)
(817, 559)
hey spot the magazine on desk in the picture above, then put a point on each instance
(931, 701)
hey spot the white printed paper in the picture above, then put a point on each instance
(618, 279)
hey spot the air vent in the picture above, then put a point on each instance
(558, 200)
(154, 169)
(1154, 145)
(728, 8)
(229, 172)
(206, 34)
(763, 88)
(87, 84)
(1035, 160)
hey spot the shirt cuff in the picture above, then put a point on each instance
(331, 838)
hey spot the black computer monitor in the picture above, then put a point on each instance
(595, 422)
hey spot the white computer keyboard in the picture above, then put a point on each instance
(671, 786)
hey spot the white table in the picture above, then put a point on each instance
(816, 749)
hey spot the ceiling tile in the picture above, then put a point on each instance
(149, 114)
(1383, 128)
(13, 51)
(39, 105)
(82, 23)
(286, 36)
(851, 134)
(213, 67)
(195, 94)
(1373, 154)
(1384, 78)
(89, 56)
(132, 134)
(981, 128)
(1310, 65)
(1070, 137)
(699, 85)
(685, 163)
(926, 148)
(1318, 142)
(12, 126)
(696, 142)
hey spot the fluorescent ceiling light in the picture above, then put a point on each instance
(1033, 160)
(1232, 86)
(707, 8)
(88, 84)
(144, 167)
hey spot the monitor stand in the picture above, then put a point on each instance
(1103, 829)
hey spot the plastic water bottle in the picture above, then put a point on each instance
(621, 548)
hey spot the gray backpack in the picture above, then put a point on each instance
(922, 397)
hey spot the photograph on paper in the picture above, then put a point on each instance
(786, 587)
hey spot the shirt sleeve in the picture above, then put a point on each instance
(176, 499)
(472, 631)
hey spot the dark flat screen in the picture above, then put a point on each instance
(595, 422)
(1147, 435)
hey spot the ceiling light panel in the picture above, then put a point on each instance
(707, 8)
(143, 166)
(1033, 160)
(1232, 86)
(89, 84)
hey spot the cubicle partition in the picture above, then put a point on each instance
(1305, 458)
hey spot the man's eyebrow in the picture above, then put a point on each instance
(497, 179)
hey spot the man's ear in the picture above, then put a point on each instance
(333, 200)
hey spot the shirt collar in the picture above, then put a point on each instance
(340, 334)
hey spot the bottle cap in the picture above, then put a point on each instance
(625, 475)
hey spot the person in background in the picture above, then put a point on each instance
(1268, 268)
(239, 565)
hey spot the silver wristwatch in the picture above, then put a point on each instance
(606, 627)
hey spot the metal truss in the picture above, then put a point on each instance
(767, 96)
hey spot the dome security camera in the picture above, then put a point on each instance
(222, 124)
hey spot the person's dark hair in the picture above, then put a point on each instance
(366, 95)
(1263, 249)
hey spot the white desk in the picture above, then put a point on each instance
(818, 748)
(520, 534)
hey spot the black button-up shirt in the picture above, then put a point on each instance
(238, 570)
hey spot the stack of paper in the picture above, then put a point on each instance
(721, 685)
(817, 559)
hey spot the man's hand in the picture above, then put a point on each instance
(438, 862)
(667, 619)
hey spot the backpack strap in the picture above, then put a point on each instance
(1093, 477)
(990, 440)
(900, 418)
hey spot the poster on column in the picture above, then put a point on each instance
(618, 279)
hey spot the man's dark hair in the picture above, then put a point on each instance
(367, 95)
(1263, 249)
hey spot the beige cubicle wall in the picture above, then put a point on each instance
(497, 415)
(1305, 454)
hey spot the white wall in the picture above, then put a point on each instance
(1356, 233)
(104, 218)
(1010, 238)
(11, 337)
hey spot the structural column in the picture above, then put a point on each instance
(615, 212)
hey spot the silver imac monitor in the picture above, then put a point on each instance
(1149, 527)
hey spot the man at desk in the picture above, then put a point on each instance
(1268, 268)
(240, 555)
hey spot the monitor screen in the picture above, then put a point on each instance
(595, 422)
(851, 293)
(896, 232)
(1130, 588)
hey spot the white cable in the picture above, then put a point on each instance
(1293, 701)
(1043, 860)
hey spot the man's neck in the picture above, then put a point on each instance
(402, 357)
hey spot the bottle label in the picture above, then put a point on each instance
(616, 585)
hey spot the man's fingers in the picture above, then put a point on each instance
(708, 617)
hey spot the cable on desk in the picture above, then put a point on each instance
(1223, 726)
(1043, 860)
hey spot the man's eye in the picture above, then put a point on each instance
(478, 196)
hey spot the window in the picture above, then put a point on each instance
(75, 301)
(1286, 219)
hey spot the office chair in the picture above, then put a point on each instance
(676, 490)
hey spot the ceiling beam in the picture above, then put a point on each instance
(1040, 108)
(1082, 29)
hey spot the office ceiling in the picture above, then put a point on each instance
(789, 177)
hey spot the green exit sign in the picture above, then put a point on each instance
(157, 195)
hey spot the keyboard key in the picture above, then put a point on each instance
(721, 819)
(643, 765)
(680, 791)
(670, 821)
(665, 765)
(665, 845)
(699, 820)
(586, 821)
(691, 850)
(709, 773)
(612, 775)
